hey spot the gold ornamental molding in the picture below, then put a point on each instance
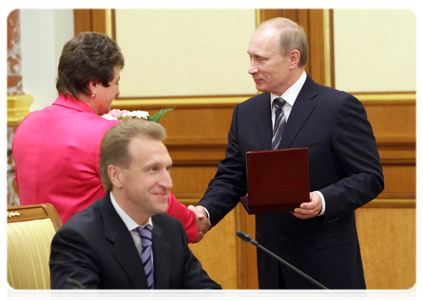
(258, 17)
(327, 47)
(133, 103)
(13, 214)
(391, 203)
(385, 96)
(18, 108)
(109, 22)
(376, 203)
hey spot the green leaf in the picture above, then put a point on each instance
(158, 115)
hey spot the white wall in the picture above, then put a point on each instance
(43, 34)
(185, 52)
(375, 50)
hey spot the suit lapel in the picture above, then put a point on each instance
(123, 248)
(262, 120)
(161, 256)
(300, 112)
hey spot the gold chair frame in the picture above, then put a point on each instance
(30, 230)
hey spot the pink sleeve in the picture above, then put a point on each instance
(184, 215)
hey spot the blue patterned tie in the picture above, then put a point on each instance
(146, 241)
(280, 122)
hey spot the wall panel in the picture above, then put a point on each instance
(394, 125)
(190, 182)
(218, 252)
(388, 246)
(185, 52)
(367, 45)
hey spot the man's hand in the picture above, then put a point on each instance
(203, 223)
(311, 209)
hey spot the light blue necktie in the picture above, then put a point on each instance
(147, 244)
(280, 122)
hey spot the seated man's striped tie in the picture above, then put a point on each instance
(147, 245)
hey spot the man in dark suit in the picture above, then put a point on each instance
(108, 245)
(320, 237)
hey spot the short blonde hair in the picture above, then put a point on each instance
(292, 37)
(114, 148)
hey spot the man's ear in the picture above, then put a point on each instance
(294, 58)
(115, 175)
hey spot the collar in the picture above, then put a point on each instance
(291, 94)
(129, 222)
(71, 102)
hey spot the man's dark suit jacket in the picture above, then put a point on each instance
(344, 165)
(96, 249)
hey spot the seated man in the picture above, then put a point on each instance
(124, 240)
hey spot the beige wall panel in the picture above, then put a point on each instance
(202, 124)
(381, 114)
(247, 252)
(388, 246)
(375, 50)
(218, 252)
(185, 52)
(190, 182)
(400, 182)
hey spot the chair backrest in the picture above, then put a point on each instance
(30, 230)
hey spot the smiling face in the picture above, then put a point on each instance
(146, 184)
(103, 96)
(268, 67)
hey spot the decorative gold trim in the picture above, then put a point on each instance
(18, 108)
(327, 48)
(258, 17)
(385, 96)
(108, 20)
(391, 203)
(376, 203)
(13, 214)
(178, 101)
(206, 100)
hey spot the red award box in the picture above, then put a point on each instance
(278, 180)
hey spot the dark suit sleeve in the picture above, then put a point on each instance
(195, 277)
(230, 181)
(355, 147)
(73, 262)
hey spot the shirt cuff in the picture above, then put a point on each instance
(322, 212)
(208, 215)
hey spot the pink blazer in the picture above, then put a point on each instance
(57, 153)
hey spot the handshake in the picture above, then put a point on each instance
(203, 222)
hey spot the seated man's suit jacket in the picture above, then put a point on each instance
(95, 249)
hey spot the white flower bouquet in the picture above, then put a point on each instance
(117, 114)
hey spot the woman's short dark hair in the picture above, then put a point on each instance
(89, 56)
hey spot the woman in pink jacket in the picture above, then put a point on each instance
(56, 149)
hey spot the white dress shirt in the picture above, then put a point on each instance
(131, 225)
(290, 96)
